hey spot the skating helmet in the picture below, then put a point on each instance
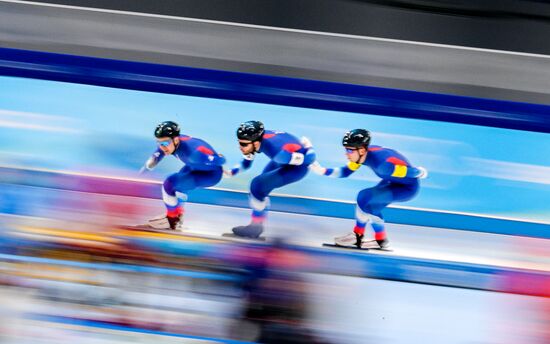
(356, 138)
(167, 129)
(251, 131)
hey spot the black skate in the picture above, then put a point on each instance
(251, 231)
(384, 244)
(164, 222)
(356, 241)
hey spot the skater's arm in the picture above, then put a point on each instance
(309, 155)
(340, 172)
(399, 169)
(290, 155)
(153, 160)
(243, 166)
(205, 156)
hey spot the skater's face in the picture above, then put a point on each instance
(357, 155)
(167, 144)
(248, 147)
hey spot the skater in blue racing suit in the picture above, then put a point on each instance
(399, 184)
(203, 168)
(290, 158)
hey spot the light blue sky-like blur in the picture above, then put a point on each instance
(81, 128)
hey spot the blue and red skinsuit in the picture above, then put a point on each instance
(399, 184)
(289, 163)
(203, 168)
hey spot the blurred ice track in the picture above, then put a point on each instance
(304, 230)
(365, 311)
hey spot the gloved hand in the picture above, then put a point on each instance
(423, 173)
(228, 173)
(306, 142)
(249, 156)
(317, 168)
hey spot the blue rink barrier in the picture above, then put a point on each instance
(274, 90)
(289, 204)
(435, 272)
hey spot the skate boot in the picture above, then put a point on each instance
(350, 239)
(166, 222)
(375, 244)
(384, 244)
(252, 230)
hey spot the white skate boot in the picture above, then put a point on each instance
(349, 240)
(383, 245)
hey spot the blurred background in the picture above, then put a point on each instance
(458, 87)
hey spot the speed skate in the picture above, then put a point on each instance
(147, 228)
(185, 231)
(233, 236)
(366, 246)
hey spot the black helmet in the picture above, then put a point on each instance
(251, 131)
(167, 129)
(356, 138)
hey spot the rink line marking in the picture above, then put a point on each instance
(281, 29)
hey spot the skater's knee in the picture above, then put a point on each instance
(363, 212)
(369, 209)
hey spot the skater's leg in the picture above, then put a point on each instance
(260, 187)
(176, 187)
(371, 202)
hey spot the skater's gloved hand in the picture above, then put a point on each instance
(306, 143)
(317, 168)
(249, 156)
(228, 173)
(423, 172)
